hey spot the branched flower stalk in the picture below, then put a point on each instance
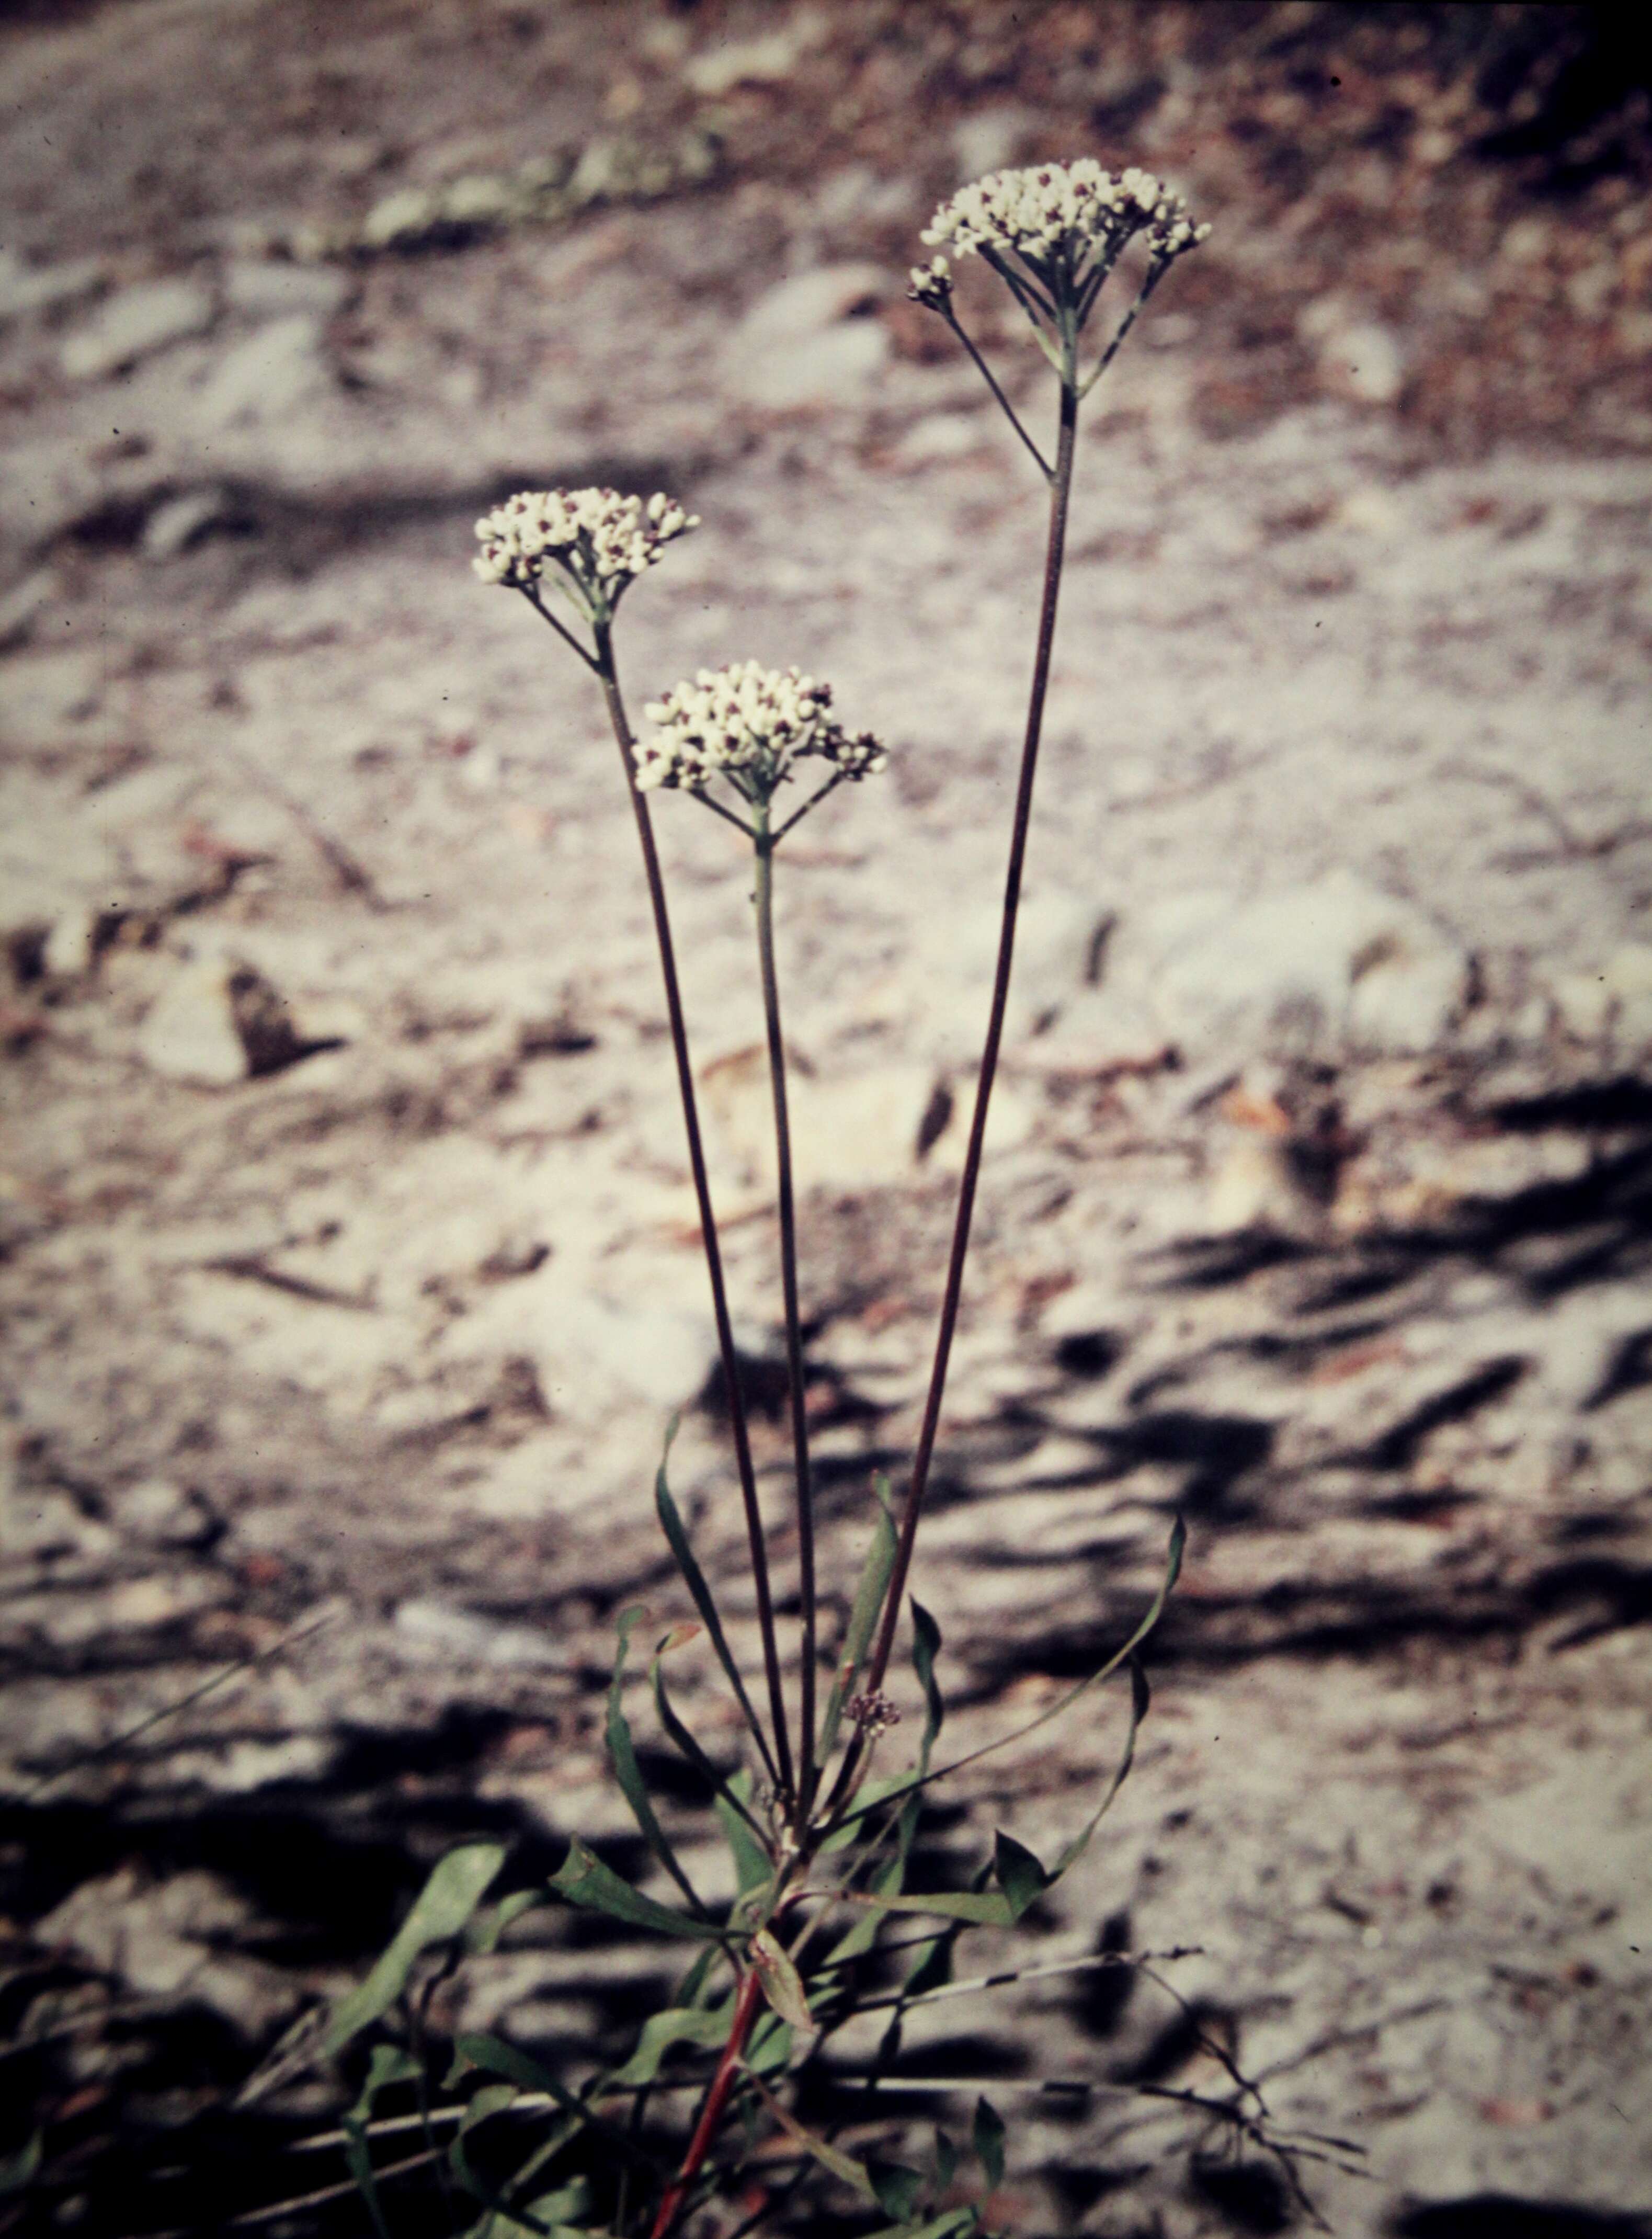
(590, 546)
(819, 1839)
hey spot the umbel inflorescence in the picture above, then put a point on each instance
(1054, 232)
(750, 725)
(600, 541)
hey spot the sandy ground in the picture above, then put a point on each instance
(350, 1267)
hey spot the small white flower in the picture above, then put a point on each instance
(931, 284)
(1065, 221)
(750, 725)
(600, 540)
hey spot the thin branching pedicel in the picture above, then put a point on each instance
(589, 545)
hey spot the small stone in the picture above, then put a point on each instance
(767, 60)
(165, 1940)
(161, 1511)
(1254, 1186)
(273, 373)
(441, 1631)
(71, 948)
(38, 287)
(219, 1022)
(135, 324)
(1582, 1004)
(803, 343)
(1308, 970)
(987, 139)
(263, 289)
(1363, 363)
(182, 521)
(42, 1521)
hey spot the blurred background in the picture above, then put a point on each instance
(346, 1244)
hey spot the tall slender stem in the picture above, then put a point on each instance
(712, 2106)
(779, 1763)
(765, 901)
(1060, 487)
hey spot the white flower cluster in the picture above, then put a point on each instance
(749, 724)
(1056, 214)
(601, 540)
(931, 283)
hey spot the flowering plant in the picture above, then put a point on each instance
(820, 1845)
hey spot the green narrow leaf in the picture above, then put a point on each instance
(441, 1910)
(926, 1648)
(753, 1866)
(946, 2161)
(701, 2025)
(769, 2052)
(1140, 1698)
(987, 1908)
(582, 1879)
(782, 1984)
(729, 1799)
(494, 2057)
(988, 2141)
(843, 2166)
(677, 1538)
(492, 2099)
(487, 1927)
(863, 1615)
(952, 2225)
(1172, 1570)
(629, 1773)
(387, 2065)
(896, 2188)
(1019, 1874)
(691, 1989)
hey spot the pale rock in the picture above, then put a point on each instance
(1372, 511)
(217, 1023)
(163, 1940)
(1254, 1186)
(802, 345)
(273, 373)
(1302, 969)
(131, 1606)
(45, 691)
(71, 948)
(1358, 358)
(987, 139)
(135, 324)
(768, 59)
(660, 1355)
(35, 1522)
(179, 522)
(1582, 1004)
(939, 439)
(852, 1132)
(156, 1510)
(263, 289)
(441, 1632)
(39, 287)
(1404, 999)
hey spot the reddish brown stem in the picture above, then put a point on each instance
(1060, 486)
(716, 2099)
